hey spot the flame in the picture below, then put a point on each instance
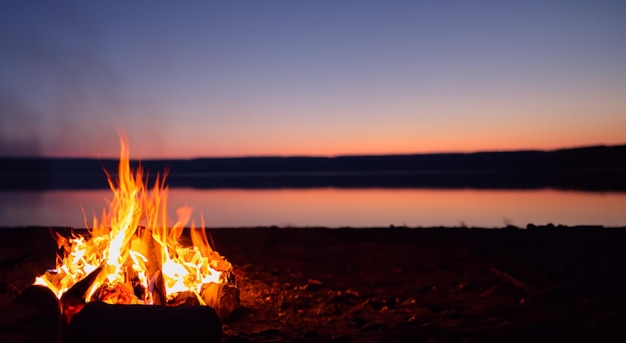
(135, 249)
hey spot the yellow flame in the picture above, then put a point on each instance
(131, 255)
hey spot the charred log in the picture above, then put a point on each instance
(79, 290)
(73, 300)
(38, 310)
(100, 322)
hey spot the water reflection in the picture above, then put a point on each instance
(333, 207)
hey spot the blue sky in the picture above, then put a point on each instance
(241, 78)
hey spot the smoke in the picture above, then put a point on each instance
(57, 89)
(18, 128)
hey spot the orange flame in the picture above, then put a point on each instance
(135, 244)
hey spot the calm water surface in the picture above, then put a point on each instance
(336, 207)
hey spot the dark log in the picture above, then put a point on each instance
(38, 308)
(99, 322)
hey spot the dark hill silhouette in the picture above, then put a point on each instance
(586, 168)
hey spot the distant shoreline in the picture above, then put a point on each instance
(529, 227)
(600, 168)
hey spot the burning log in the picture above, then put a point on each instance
(157, 282)
(79, 290)
(186, 298)
(117, 293)
(74, 299)
(99, 322)
(224, 298)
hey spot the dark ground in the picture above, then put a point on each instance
(392, 284)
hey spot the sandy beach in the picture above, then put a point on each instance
(391, 284)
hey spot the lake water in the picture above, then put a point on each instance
(332, 207)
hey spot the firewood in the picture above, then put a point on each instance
(38, 308)
(154, 274)
(53, 276)
(79, 290)
(183, 299)
(132, 280)
(100, 322)
(224, 298)
(74, 299)
(116, 293)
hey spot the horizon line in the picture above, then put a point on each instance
(317, 156)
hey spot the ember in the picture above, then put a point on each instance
(133, 254)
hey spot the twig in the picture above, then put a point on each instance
(355, 308)
(517, 283)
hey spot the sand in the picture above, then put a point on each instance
(392, 284)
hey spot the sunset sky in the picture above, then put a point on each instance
(248, 78)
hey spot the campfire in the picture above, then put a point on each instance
(134, 254)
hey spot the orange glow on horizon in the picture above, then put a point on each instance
(368, 148)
